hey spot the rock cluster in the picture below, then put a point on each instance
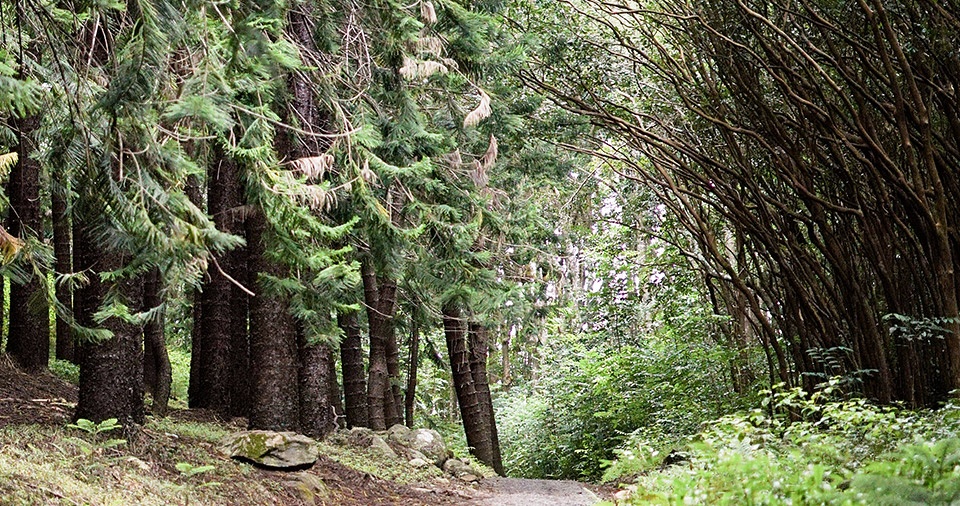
(287, 450)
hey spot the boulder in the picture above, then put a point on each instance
(276, 450)
(426, 442)
(461, 469)
(378, 445)
(419, 463)
(360, 436)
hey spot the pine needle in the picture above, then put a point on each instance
(314, 166)
(428, 12)
(482, 112)
(416, 69)
(7, 161)
(9, 245)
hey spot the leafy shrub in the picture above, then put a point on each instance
(838, 452)
(590, 401)
(65, 370)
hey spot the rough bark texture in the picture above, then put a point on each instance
(318, 414)
(273, 342)
(61, 251)
(354, 376)
(111, 371)
(28, 340)
(377, 382)
(475, 422)
(240, 335)
(479, 349)
(157, 373)
(410, 395)
(394, 410)
(215, 324)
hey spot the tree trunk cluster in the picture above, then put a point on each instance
(809, 156)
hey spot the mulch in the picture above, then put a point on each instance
(40, 398)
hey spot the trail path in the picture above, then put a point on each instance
(519, 492)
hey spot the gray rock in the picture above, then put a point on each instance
(419, 463)
(380, 446)
(460, 469)
(430, 444)
(277, 450)
(412, 454)
(400, 435)
(360, 436)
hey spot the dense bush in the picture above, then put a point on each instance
(589, 401)
(807, 449)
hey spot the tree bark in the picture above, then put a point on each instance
(318, 412)
(59, 203)
(239, 333)
(354, 376)
(475, 422)
(111, 371)
(377, 382)
(157, 373)
(28, 340)
(274, 399)
(215, 324)
(410, 395)
(478, 368)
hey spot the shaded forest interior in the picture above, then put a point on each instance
(590, 220)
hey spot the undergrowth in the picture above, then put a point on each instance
(803, 449)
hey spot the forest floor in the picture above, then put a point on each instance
(44, 462)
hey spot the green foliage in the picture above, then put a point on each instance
(808, 449)
(96, 445)
(94, 428)
(187, 469)
(590, 401)
(67, 371)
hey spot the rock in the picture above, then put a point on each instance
(360, 436)
(460, 468)
(401, 435)
(277, 450)
(378, 445)
(419, 463)
(426, 442)
(412, 454)
(469, 478)
(430, 444)
(309, 487)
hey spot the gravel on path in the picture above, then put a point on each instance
(521, 492)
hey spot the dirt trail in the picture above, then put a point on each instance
(519, 492)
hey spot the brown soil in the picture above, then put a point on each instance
(44, 399)
(47, 400)
(27, 398)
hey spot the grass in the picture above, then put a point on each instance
(51, 465)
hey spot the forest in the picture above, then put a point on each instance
(702, 252)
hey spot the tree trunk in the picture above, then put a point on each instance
(377, 382)
(478, 368)
(215, 325)
(28, 340)
(354, 377)
(59, 202)
(475, 422)
(394, 408)
(273, 342)
(157, 373)
(318, 414)
(111, 371)
(410, 396)
(239, 334)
